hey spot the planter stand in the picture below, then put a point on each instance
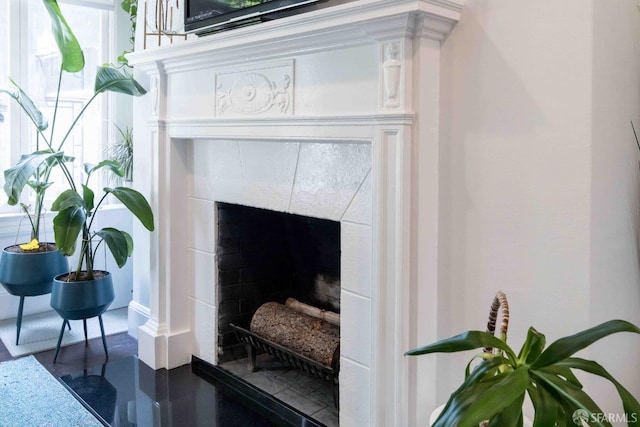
(65, 322)
(19, 318)
(81, 301)
(29, 274)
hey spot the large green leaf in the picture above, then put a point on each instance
(39, 186)
(563, 372)
(129, 242)
(459, 402)
(469, 340)
(567, 346)
(16, 178)
(117, 242)
(112, 165)
(629, 403)
(564, 390)
(532, 347)
(136, 203)
(72, 56)
(66, 199)
(110, 79)
(466, 393)
(503, 391)
(67, 225)
(27, 105)
(509, 416)
(546, 408)
(87, 198)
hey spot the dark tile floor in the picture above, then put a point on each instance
(77, 357)
(124, 392)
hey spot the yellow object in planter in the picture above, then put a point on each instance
(32, 245)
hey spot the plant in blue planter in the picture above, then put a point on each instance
(86, 292)
(34, 170)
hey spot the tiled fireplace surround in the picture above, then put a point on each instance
(330, 114)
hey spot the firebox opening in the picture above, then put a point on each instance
(266, 256)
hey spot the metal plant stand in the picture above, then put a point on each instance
(65, 322)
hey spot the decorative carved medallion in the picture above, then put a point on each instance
(262, 90)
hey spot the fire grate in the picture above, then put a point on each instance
(255, 343)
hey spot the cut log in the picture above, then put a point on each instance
(306, 335)
(300, 307)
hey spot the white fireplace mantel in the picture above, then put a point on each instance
(359, 81)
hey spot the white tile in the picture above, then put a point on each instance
(204, 276)
(356, 260)
(268, 169)
(355, 321)
(355, 394)
(361, 208)
(328, 177)
(217, 170)
(204, 325)
(202, 231)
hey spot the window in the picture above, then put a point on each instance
(5, 159)
(33, 62)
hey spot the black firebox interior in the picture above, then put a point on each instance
(263, 256)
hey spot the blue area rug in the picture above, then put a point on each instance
(31, 396)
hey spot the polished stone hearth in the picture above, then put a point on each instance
(127, 393)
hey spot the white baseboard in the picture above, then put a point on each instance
(138, 316)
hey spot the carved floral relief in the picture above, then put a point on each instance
(266, 91)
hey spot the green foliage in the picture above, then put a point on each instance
(75, 206)
(131, 7)
(70, 50)
(34, 169)
(122, 151)
(76, 213)
(495, 389)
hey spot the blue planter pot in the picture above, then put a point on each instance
(30, 273)
(81, 300)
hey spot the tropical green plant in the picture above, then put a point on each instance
(77, 212)
(122, 151)
(34, 170)
(495, 389)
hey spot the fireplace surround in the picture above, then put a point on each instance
(331, 114)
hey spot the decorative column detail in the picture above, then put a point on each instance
(265, 90)
(391, 71)
(155, 95)
(157, 89)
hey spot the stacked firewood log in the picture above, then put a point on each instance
(309, 336)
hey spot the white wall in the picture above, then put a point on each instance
(615, 207)
(539, 183)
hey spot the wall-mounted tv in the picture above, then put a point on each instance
(206, 16)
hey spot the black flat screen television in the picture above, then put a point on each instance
(207, 16)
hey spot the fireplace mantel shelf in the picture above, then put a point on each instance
(348, 24)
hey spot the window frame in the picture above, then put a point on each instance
(15, 120)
